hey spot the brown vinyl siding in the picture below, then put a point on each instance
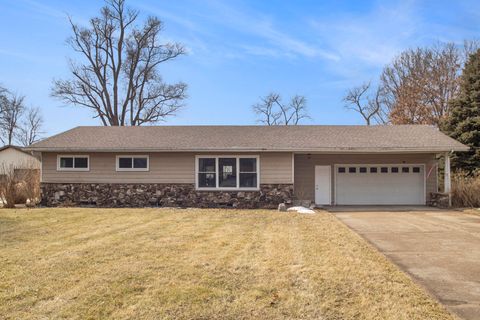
(276, 168)
(305, 168)
(164, 168)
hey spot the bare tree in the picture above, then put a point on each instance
(272, 111)
(368, 104)
(30, 130)
(119, 79)
(18, 124)
(12, 109)
(266, 111)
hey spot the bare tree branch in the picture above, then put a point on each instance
(118, 78)
(271, 111)
(266, 110)
(12, 108)
(298, 107)
(361, 100)
(18, 124)
(31, 128)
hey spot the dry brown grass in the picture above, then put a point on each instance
(17, 185)
(196, 264)
(466, 190)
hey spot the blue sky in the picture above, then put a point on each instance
(238, 50)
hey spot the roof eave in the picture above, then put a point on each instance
(302, 150)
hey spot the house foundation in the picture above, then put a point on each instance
(114, 195)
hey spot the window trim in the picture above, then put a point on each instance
(216, 157)
(73, 156)
(118, 169)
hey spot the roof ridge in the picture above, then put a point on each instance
(263, 126)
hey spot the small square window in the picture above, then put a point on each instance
(66, 162)
(384, 169)
(416, 169)
(125, 163)
(394, 169)
(352, 170)
(341, 170)
(363, 170)
(248, 165)
(373, 170)
(206, 165)
(81, 163)
(405, 169)
(140, 163)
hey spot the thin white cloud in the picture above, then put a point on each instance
(374, 38)
(20, 55)
(43, 10)
(262, 27)
(219, 25)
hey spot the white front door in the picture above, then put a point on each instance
(323, 185)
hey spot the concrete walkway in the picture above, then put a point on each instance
(439, 249)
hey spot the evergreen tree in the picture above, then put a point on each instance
(463, 124)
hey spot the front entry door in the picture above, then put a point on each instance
(323, 185)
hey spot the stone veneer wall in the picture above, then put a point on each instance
(161, 195)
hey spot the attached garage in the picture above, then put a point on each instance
(373, 184)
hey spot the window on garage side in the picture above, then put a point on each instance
(352, 170)
(394, 169)
(373, 169)
(341, 170)
(362, 169)
(384, 169)
(416, 169)
(405, 169)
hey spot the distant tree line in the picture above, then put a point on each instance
(415, 88)
(437, 85)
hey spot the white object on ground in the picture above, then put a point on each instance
(301, 210)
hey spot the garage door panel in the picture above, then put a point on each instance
(380, 188)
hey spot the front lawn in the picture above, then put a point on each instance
(196, 264)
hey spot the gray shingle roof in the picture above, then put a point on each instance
(406, 138)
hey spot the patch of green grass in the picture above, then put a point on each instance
(196, 264)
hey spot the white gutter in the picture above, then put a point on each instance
(297, 150)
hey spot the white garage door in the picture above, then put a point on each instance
(380, 184)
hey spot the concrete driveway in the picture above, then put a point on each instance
(439, 249)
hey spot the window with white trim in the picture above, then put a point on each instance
(227, 172)
(248, 173)
(73, 163)
(132, 163)
(207, 174)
